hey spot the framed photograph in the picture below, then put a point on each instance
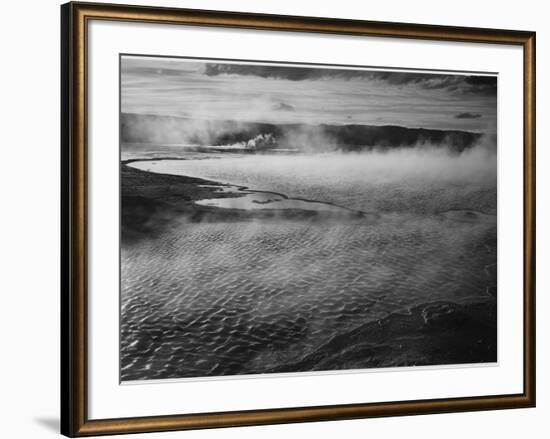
(271, 219)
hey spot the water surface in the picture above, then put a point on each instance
(242, 297)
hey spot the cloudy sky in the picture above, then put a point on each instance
(285, 94)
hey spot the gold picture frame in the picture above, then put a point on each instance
(75, 18)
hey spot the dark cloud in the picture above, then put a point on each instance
(280, 72)
(482, 84)
(467, 115)
(458, 84)
(281, 106)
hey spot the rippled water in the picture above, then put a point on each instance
(210, 299)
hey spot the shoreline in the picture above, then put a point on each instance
(435, 333)
(249, 190)
(152, 201)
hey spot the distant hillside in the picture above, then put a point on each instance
(136, 128)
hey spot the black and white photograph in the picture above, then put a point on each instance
(289, 218)
(284, 219)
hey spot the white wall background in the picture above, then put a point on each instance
(29, 233)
